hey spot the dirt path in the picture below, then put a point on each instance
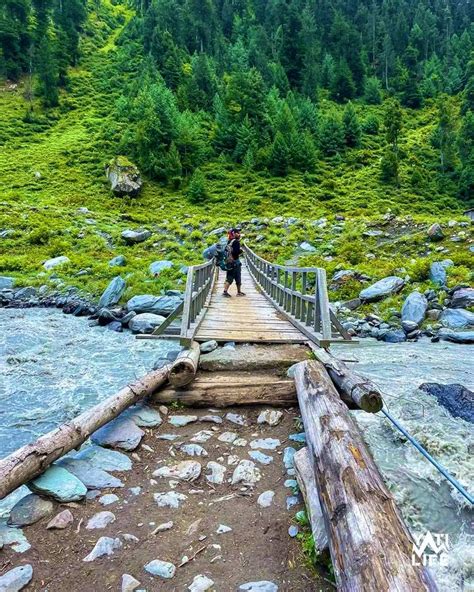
(255, 546)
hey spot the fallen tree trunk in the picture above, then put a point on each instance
(307, 485)
(355, 390)
(371, 548)
(184, 368)
(33, 459)
(224, 389)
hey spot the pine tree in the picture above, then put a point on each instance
(304, 153)
(47, 72)
(393, 126)
(343, 86)
(372, 91)
(279, 159)
(197, 191)
(389, 165)
(444, 136)
(331, 135)
(468, 93)
(466, 154)
(173, 167)
(351, 126)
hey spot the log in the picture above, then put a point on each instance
(225, 389)
(371, 548)
(355, 390)
(307, 485)
(33, 459)
(184, 368)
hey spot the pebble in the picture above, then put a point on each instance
(265, 443)
(179, 421)
(186, 470)
(202, 436)
(228, 437)
(61, 520)
(163, 569)
(16, 579)
(171, 499)
(200, 583)
(167, 437)
(135, 490)
(217, 473)
(211, 419)
(236, 418)
(292, 500)
(163, 409)
(246, 472)
(193, 450)
(270, 416)
(129, 583)
(100, 520)
(130, 537)
(240, 442)
(291, 483)
(109, 498)
(163, 527)
(293, 530)
(104, 546)
(222, 529)
(208, 347)
(262, 586)
(265, 499)
(233, 460)
(264, 459)
(300, 438)
(288, 457)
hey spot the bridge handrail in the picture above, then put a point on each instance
(310, 313)
(199, 283)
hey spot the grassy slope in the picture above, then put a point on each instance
(68, 147)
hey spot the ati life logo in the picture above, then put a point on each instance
(430, 549)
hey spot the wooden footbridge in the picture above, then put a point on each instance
(284, 319)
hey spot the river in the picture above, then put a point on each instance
(54, 367)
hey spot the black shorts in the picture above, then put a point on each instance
(234, 274)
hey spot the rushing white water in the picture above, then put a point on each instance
(428, 502)
(53, 367)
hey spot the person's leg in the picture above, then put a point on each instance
(238, 280)
(228, 281)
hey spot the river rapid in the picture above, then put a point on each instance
(53, 367)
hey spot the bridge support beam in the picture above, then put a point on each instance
(184, 368)
(371, 548)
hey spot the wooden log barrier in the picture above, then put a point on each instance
(371, 548)
(33, 459)
(307, 485)
(184, 368)
(355, 390)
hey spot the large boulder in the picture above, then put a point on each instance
(456, 336)
(6, 283)
(438, 273)
(113, 292)
(60, 484)
(145, 322)
(395, 336)
(158, 266)
(160, 305)
(414, 310)
(132, 237)
(463, 298)
(456, 398)
(456, 318)
(124, 177)
(55, 262)
(381, 289)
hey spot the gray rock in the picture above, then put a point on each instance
(55, 262)
(132, 237)
(103, 458)
(293, 530)
(262, 586)
(91, 476)
(16, 579)
(201, 583)
(456, 336)
(265, 499)
(113, 292)
(158, 266)
(456, 398)
(118, 261)
(193, 450)
(270, 416)
(100, 520)
(457, 318)
(129, 583)
(211, 419)
(104, 546)
(13, 537)
(265, 443)
(217, 231)
(181, 420)
(143, 416)
(6, 283)
(438, 273)
(208, 347)
(108, 499)
(414, 309)
(228, 437)
(353, 304)
(124, 177)
(30, 509)
(145, 323)
(407, 326)
(382, 288)
(170, 499)
(159, 305)
(264, 459)
(186, 470)
(395, 336)
(223, 529)
(288, 456)
(435, 232)
(119, 433)
(61, 521)
(236, 418)
(60, 484)
(307, 247)
(162, 569)
(463, 298)
(246, 472)
(217, 472)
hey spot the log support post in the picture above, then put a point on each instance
(184, 368)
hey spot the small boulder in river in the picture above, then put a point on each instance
(395, 336)
(145, 322)
(113, 292)
(381, 289)
(414, 310)
(132, 237)
(158, 266)
(456, 398)
(30, 509)
(456, 336)
(124, 177)
(55, 262)
(457, 318)
(463, 298)
(159, 305)
(60, 484)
